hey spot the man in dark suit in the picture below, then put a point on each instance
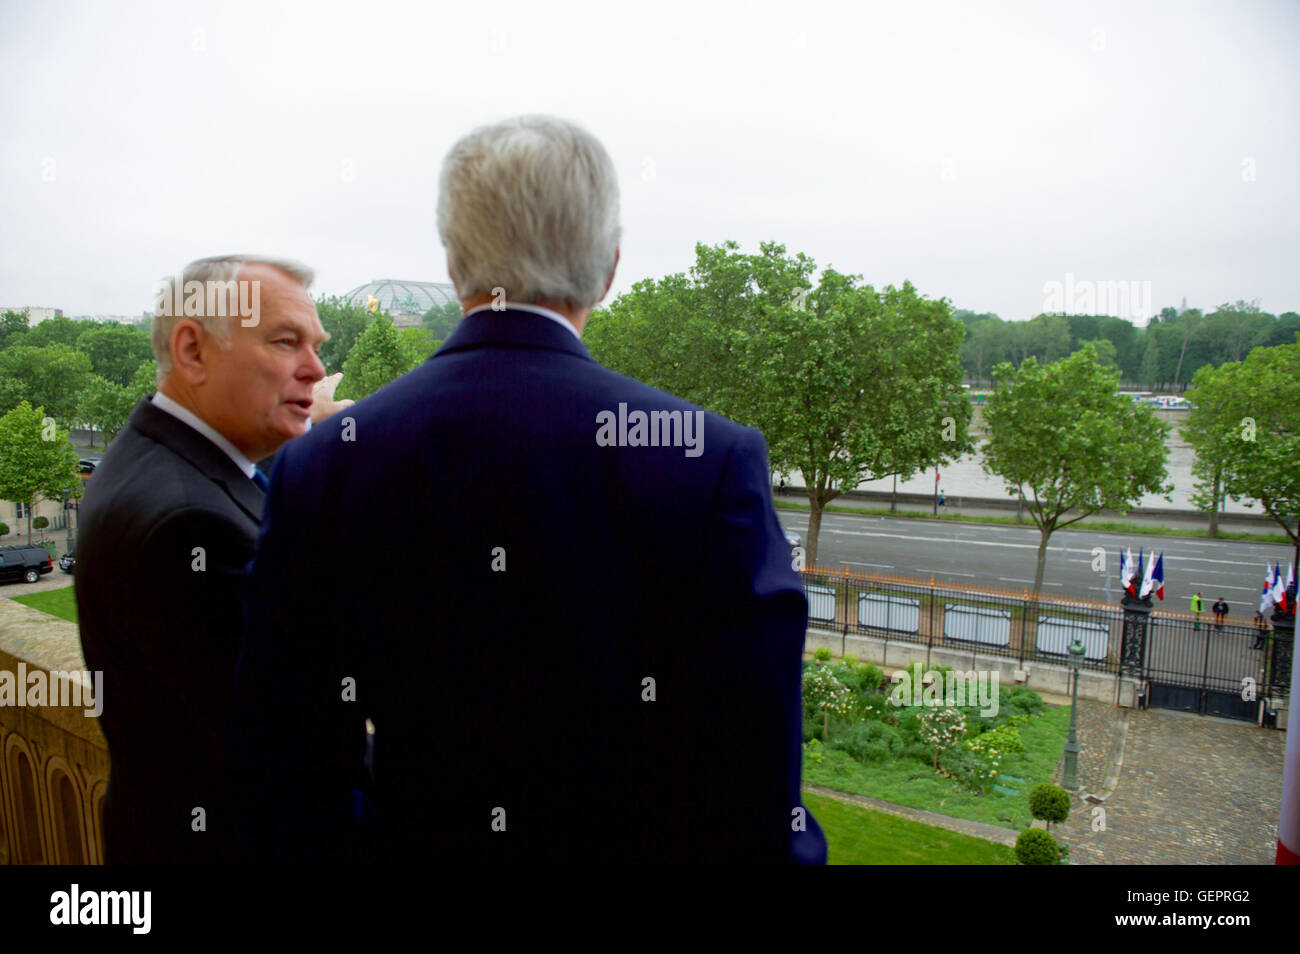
(565, 601)
(169, 523)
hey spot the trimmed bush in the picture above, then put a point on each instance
(1037, 847)
(1021, 700)
(919, 751)
(1051, 803)
(870, 741)
(822, 654)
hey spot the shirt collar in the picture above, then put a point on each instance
(185, 415)
(535, 309)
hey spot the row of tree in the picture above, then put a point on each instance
(850, 384)
(1164, 354)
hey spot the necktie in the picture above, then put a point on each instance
(259, 478)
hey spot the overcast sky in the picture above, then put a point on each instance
(980, 150)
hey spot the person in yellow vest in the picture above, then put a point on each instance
(1198, 606)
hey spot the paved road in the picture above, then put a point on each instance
(1002, 556)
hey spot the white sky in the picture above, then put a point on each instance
(978, 149)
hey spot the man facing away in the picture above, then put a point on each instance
(168, 524)
(574, 623)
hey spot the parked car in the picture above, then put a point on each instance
(793, 539)
(86, 466)
(68, 562)
(28, 564)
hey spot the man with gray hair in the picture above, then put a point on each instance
(591, 651)
(169, 522)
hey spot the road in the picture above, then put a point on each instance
(1005, 557)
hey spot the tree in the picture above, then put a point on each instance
(846, 383)
(860, 386)
(417, 345)
(1065, 432)
(1105, 349)
(1207, 428)
(1151, 361)
(105, 405)
(60, 330)
(51, 377)
(13, 327)
(441, 320)
(115, 351)
(344, 322)
(144, 382)
(36, 459)
(376, 359)
(1258, 405)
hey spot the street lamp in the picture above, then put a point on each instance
(1071, 781)
(67, 517)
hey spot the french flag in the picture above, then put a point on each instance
(1127, 571)
(1279, 588)
(1266, 594)
(1288, 600)
(1154, 577)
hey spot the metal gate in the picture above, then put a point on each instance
(1196, 665)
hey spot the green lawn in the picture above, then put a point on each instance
(860, 836)
(61, 603)
(908, 782)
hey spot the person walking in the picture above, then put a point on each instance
(1198, 607)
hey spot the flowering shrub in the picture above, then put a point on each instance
(941, 729)
(822, 691)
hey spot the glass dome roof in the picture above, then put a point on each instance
(404, 298)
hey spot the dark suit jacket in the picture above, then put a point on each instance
(570, 652)
(162, 622)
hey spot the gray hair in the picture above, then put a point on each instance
(212, 273)
(530, 205)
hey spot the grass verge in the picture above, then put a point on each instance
(1103, 526)
(61, 603)
(860, 836)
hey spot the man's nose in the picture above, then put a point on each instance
(315, 367)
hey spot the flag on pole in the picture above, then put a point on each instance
(1148, 576)
(1126, 572)
(1266, 594)
(1159, 575)
(1288, 589)
(1279, 588)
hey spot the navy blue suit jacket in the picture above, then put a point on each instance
(569, 651)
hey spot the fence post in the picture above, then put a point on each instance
(929, 638)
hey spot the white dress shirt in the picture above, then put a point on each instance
(184, 414)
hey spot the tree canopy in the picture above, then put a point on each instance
(1062, 434)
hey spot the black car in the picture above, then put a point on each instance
(68, 562)
(28, 564)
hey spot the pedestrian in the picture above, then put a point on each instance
(942, 499)
(1261, 629)
(1220, 610)
(1197, 608)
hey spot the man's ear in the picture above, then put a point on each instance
(188, 359)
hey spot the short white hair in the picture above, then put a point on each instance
(217, 268)
(530, 205)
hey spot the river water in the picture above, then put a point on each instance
(966, 477)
